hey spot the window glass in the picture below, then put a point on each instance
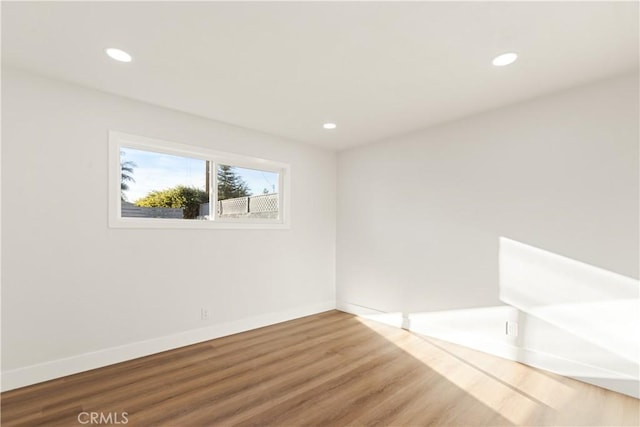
(158, 185)
(246, 193)
(163, 184)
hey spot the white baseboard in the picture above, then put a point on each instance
(393, 319)
(33, 374)
(600, 377)
(358, 310)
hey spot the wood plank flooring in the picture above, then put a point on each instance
(330, 369)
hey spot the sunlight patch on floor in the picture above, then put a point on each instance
(514, 390)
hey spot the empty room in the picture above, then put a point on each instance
(320, 213)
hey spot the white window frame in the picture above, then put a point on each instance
(120, 140)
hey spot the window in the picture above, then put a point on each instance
(160, 184)
(240, 194)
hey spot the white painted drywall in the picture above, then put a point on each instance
(420, 219)
(72, 286)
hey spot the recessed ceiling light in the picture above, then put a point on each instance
(118, 55)
(329, 126)
(505, 59)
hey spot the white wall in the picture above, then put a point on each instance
(77, 294)
(420, 219)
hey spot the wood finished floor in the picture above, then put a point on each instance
(330, 369)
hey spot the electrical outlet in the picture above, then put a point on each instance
(204, 314)
(512, 328)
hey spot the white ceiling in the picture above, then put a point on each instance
(377, 69)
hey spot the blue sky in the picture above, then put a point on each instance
(157, 171)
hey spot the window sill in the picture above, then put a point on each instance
(159, 223)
